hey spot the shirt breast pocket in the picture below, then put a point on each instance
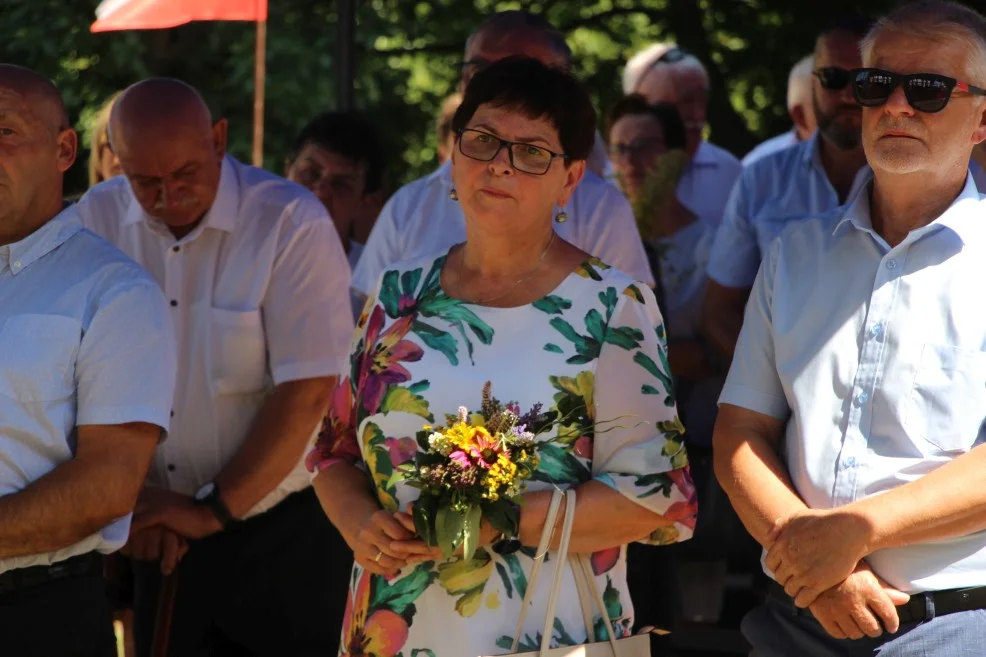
(947, 405)
(37, 357)
(239, 352)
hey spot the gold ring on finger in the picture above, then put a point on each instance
(376, 559)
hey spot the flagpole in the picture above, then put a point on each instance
(259, 80)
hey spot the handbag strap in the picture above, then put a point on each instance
(562, 558)
(546, 535)
(582, 562)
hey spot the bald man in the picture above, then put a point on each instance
(256, 280)
(665, 73)
(87, 374)
(799, 107)
(420, 219)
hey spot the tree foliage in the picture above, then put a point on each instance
(407, 57)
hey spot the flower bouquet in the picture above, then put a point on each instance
(473, 468)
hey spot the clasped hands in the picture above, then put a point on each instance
(387, 542)
(818, 557)
(163, 523)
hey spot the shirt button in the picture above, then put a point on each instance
(849, 463)
(17, 265)
(171, 467)
(891, 264)
(861, 398)
(172, 413)
(176, 249)
(876, 331)
(173, 303)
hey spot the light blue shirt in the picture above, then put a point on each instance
(876, 359)
(790, 185)
(706, 182)
(771, 146)
(85, 339)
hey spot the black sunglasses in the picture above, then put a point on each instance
(926, 92)
(833, 78)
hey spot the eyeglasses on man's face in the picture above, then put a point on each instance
(526, 158)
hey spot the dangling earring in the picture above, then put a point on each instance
(561, 217)
(454, 195)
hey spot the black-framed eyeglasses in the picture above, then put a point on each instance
(925, 92)
(833, 78)
(526, 158)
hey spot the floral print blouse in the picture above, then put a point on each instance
(594, 351)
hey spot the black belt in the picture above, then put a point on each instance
(921, 606)
(22, 578)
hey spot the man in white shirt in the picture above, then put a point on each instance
(255, 277)
(800, 108)
(850, 434)
(813, 177)
(664, 73)
(421, 219)
(87, 374)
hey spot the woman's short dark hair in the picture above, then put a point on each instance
(666, 114)
(537, 91)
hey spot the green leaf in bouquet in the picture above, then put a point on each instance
(401, 472)
(502, 515)
(470, 531)
(448, 526)
(422, 438)
(424, 514)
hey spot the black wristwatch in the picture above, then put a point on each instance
(209, 496)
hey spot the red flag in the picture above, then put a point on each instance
(158, 14)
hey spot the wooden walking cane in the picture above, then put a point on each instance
(165, 612)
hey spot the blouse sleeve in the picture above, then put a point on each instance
(638, 448)
(336, 441)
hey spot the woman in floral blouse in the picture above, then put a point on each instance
(546, 324)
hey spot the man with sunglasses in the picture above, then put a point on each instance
(814, 176)
(421, 219)
(851, 428)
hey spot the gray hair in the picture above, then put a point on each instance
(799, 82)
(643, 61)
(940, 21)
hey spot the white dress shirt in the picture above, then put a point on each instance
(772, 145)
(706, 182)
(771, 193)
(259, 296)
(85, 339)
(420, 220)
(683, 258)
(876, 358)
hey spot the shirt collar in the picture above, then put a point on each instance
(225, 208)
(443, 173)
(963, 217)
(20, 255)
(705, 156)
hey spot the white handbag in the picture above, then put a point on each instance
(589, 596)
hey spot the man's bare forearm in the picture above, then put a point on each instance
(276, 442)
(946, 503)
(81, 496)
(753, 476)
